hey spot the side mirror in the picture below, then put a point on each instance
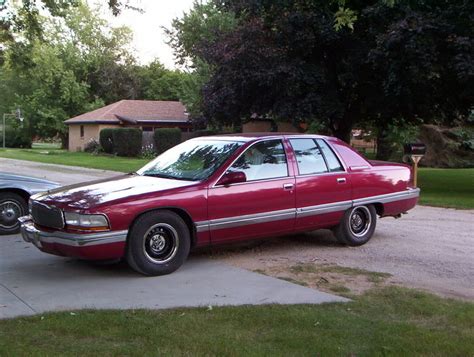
(231, 177)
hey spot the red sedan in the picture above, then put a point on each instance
(219, 189)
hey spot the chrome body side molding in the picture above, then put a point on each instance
(270, 216)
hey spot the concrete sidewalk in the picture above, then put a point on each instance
(32, 282)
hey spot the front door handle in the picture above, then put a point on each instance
(288, 186)
(341, 180)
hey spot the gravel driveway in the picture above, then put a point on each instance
(429, 248)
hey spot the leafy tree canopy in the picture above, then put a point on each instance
(289, 60)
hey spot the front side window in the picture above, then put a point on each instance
(263, 160)
(308, 156)
(82, 131)
(193, 160)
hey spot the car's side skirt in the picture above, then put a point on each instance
(270, 216)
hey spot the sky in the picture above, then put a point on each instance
(148, 36)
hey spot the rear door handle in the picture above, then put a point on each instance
(288, 186)
(341, 180)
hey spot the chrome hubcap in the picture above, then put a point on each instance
(10, 211)
(360, 221)
(160, 243)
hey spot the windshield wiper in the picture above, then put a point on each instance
(162, 175)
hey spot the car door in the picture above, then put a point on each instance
(263, 205)
(323, 188)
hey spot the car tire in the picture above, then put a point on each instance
(158, 244)
(357, 225)
(12, 207)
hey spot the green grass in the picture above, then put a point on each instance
(447, 187)
(52, 155)
(390, 321)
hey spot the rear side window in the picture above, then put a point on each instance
(308, 156)
(332, 161)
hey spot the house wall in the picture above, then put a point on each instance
(91, 131)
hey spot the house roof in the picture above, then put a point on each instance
(135, 112)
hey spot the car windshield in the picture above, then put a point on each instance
(193, 160)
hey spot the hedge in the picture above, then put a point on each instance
(17, 138)
(106, 140)
(166, 138)
(127, 141)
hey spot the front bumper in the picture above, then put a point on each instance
(100, 245)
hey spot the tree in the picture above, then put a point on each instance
(160, 83)
(204, 22)
(77, 63)
(287, 60)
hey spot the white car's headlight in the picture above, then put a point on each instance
(91, 222)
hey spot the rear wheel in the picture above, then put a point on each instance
(12, 207)
(158, 244)
(357, 225)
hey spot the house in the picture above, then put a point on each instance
(143, 114)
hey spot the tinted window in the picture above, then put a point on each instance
(331, 159)
(192, 160)
(308, 156)
(263, 160)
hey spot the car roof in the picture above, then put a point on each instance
(246, 137)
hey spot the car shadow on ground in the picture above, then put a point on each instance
(321, 238)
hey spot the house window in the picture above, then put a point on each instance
(82, 131)
(147, 128)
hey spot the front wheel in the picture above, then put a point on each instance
(158, 244)
(357, 225)
(12, 207)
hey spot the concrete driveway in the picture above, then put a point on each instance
(33, 282)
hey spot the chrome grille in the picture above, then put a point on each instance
(46, 216)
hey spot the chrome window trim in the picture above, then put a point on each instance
(270, 216)
(261, 180)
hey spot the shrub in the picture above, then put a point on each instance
(16, 138)
(106, 140)
(166, 138)
(92, 146)
(148, 152)
(127, 141)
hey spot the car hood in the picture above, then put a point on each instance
(19, 178)
(92, 194)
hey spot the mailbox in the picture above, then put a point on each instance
(414, 149)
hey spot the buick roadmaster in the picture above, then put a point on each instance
(220, 189)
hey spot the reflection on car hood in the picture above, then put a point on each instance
(90, 194)
(13, 177)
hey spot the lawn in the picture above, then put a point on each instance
(447, 187)
(52, 155)
(439, 187)
(388, 321)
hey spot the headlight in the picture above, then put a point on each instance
(88, 222)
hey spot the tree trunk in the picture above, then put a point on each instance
(384, 146)
(343, 131)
